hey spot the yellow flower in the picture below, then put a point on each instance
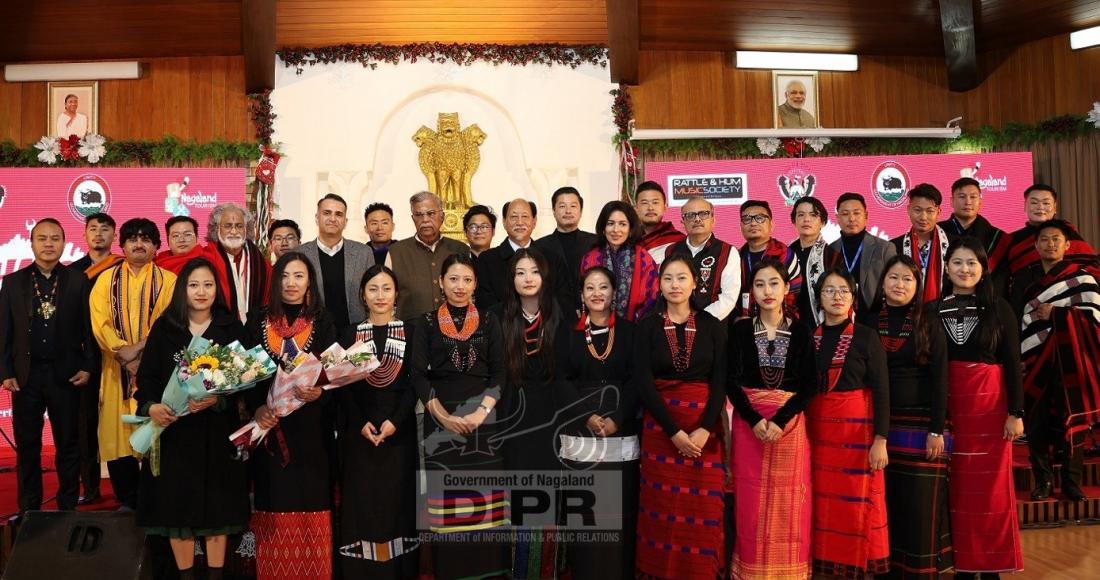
(204, 362)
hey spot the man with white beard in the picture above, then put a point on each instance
(243, 272)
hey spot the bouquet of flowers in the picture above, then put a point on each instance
(336, 367)
(343, 367)
(204, 370)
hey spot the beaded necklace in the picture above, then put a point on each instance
(681, 357)
(610, 330)
(469, 326)
(392, 358)
(533, 328)
(277, 332)
(891, 343)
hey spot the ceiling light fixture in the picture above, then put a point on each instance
(72, 71)
(797, 60)
(1084, 38)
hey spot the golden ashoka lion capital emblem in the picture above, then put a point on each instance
(449, 157)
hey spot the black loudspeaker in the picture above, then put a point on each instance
(78, 545)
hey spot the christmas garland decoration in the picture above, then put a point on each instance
(371, 55)
(168, 152)
(263, 115)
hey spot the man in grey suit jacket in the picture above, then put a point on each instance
(339, 263)
(863, 255)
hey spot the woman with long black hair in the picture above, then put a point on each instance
(378, 508)
(199, 489)
(599, 422)
(681, 379)
(985, 402)
(772, 378)
(848, 423)
(458, 372)
(916, 478)
(618, 248)
(291, 487)
(529, 323)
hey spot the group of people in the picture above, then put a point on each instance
(774, 408)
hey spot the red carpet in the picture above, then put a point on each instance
(9, 492)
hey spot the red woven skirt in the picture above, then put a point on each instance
(849, 512)
(293, 545)
(984, 526)
(680, 528)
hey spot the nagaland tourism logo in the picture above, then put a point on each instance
(889, 183)
(796, 184)
(88, 194)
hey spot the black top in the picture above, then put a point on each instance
(493, 281)
(433, 361)
(966, 342)
(864, 368)
(802, 299)
(379, 253)
(705, 365)
(1021, 283)
(332, 272)
(363, 403)
(571, 247)
(791, 367)
(300, 482)
(43, 291)
(914, 385)
(588, 386)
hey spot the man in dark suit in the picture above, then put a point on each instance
(568, 241)
(863, 254)
(492, 265)
(46, 357)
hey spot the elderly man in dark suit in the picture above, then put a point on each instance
(863, 254)
(338, 261)
(47, 354)
(493, 282)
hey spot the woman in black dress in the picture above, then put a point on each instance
(378, 513)
(458, 373)
(772, 378)
(599, 418)
(916, 478)
(681, 379)
(292, 492)
(529, 323)
(201, 489)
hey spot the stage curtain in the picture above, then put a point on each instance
(1073, 168)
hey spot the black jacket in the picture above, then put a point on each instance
(76, 349)
(572, 274)
(493, 281)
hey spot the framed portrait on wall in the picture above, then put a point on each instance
(794, 93)
(73, 108)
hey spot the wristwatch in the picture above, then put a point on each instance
(936, 435)
(487, 409)
(1018, 413)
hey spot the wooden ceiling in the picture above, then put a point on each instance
(106, 29)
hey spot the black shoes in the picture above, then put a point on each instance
(1042, 490)
(1073, 492)
(89, 499)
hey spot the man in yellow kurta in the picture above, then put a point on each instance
(125, 301)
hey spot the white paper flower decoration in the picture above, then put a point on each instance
(91, 147)
(818, 143)
(768, 146)
(1094, 115)
(49, 148)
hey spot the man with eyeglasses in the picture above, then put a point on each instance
(1018, 251)
(338, 262)
(243, 272)
(480, 225)
(864, 255)
(756, 227)
(568, 240)
(718, 262)
(925, 242)
(659, 235)
(283, 236)
(124, 303)
(183, 243)
(493, 281)
(418, 260)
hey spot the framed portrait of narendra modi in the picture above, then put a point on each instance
(795, 99)
(73, 108)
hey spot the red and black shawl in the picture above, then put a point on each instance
(259, 275)
(1066, 347)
